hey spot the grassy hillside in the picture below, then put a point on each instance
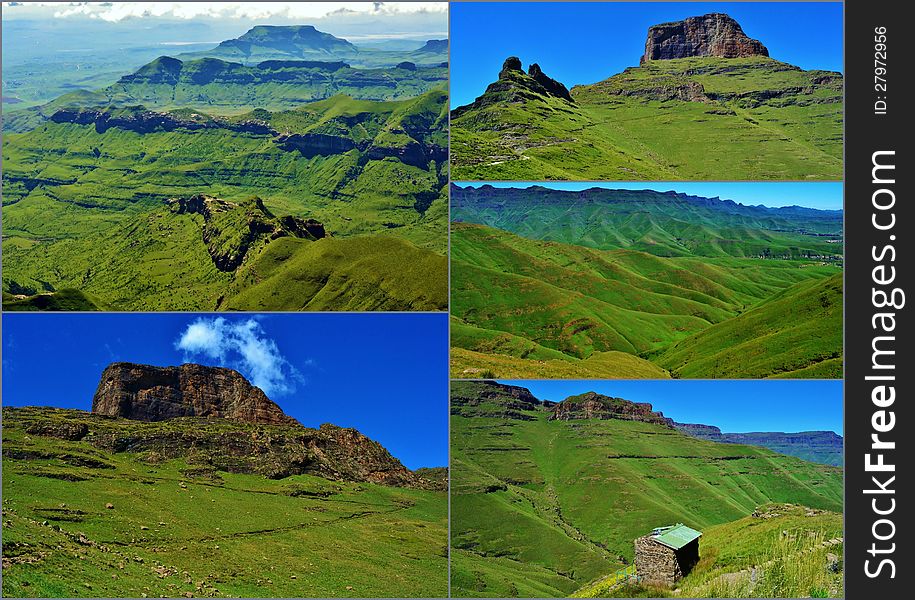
(85, 204)
(795, 333)
(527, 308)
(781, 551)
(79, 521)
(542, 508)
(693, 118)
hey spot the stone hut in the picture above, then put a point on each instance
(666, 554)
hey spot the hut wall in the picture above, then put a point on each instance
(655, 563)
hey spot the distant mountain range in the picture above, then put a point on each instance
(824, 447)
(304, 42)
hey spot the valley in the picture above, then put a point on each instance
(607, 283)
(547, 499)
(90, 191)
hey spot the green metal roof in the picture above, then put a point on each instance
(675, 536)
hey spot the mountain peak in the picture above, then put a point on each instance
(149, 393)
(714, 34)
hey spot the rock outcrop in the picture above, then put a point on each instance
(514, 85)
(714, 34)
(140, 120)
(552, 87)
(592, 405)
(491, 399)
(230, 229)
(148, 393)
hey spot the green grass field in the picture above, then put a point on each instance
(742, 119)
(84, 207)
(79, 521)
(546, 508)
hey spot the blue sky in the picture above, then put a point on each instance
(579, 43)
(384, 374)
(821, 195)
(734, 406)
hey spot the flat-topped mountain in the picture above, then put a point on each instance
(284, 42)
(291, 38)
(714, 34)
(493, 399)
(149, 393)
(288, 40)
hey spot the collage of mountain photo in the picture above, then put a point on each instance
(463, 299)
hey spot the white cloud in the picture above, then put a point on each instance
(118, 11)
(243, 346)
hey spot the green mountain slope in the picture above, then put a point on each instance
(541, 507)
(96, 506)
(796, 333)
(751, 118)
(85, 201)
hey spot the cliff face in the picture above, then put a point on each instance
(488, 398)
(714, 34)
(147, 393)
(210, 446)
(592, 405)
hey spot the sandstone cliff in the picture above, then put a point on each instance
(147, 393)
(592, 405)
(714, 34)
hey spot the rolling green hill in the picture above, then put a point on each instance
(97, 506)
(613, 283)
(701, 117)
(89, 204)
(544, 506)
(795, 333)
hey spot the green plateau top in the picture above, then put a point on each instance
(675, 536)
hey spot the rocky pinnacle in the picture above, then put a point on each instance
(714, 34)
